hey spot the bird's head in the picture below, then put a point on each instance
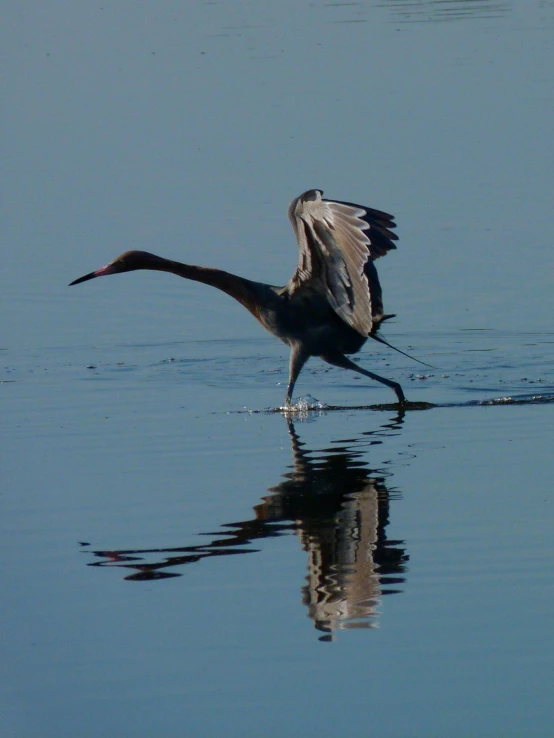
(127, 262)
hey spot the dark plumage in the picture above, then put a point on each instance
(332, 303)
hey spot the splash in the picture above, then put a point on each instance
(303, 407)
(515, 400)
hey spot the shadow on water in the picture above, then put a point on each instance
(522, 399)
(303, 410)
(337, 506)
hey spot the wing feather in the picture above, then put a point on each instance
(338, 242)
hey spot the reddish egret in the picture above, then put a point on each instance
(332, 304)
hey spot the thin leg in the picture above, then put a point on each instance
(344, 363)
(298, 358)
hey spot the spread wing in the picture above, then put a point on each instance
(339, 242)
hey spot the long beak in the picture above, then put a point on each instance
(92, 275)
(103, 271)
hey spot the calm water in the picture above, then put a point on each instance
(178, 558)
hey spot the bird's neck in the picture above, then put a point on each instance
(245, 291)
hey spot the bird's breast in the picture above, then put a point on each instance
(307, 318)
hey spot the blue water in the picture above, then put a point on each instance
(178, 556)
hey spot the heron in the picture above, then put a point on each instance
(333, 302)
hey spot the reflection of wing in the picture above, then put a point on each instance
(338, 243)
(343, 587)
(339, 511)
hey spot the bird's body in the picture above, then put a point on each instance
(309, 320)
(332, 303)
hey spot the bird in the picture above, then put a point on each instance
(333, 302)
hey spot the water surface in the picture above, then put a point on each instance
(179, 558)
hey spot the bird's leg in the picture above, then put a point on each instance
(298, 357)
(344, 363)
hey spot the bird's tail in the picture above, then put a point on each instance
(386, 343)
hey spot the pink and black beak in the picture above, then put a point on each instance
(102, 272)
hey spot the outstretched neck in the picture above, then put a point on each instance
(245, 291)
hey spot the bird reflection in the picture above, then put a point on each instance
(338, 507)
